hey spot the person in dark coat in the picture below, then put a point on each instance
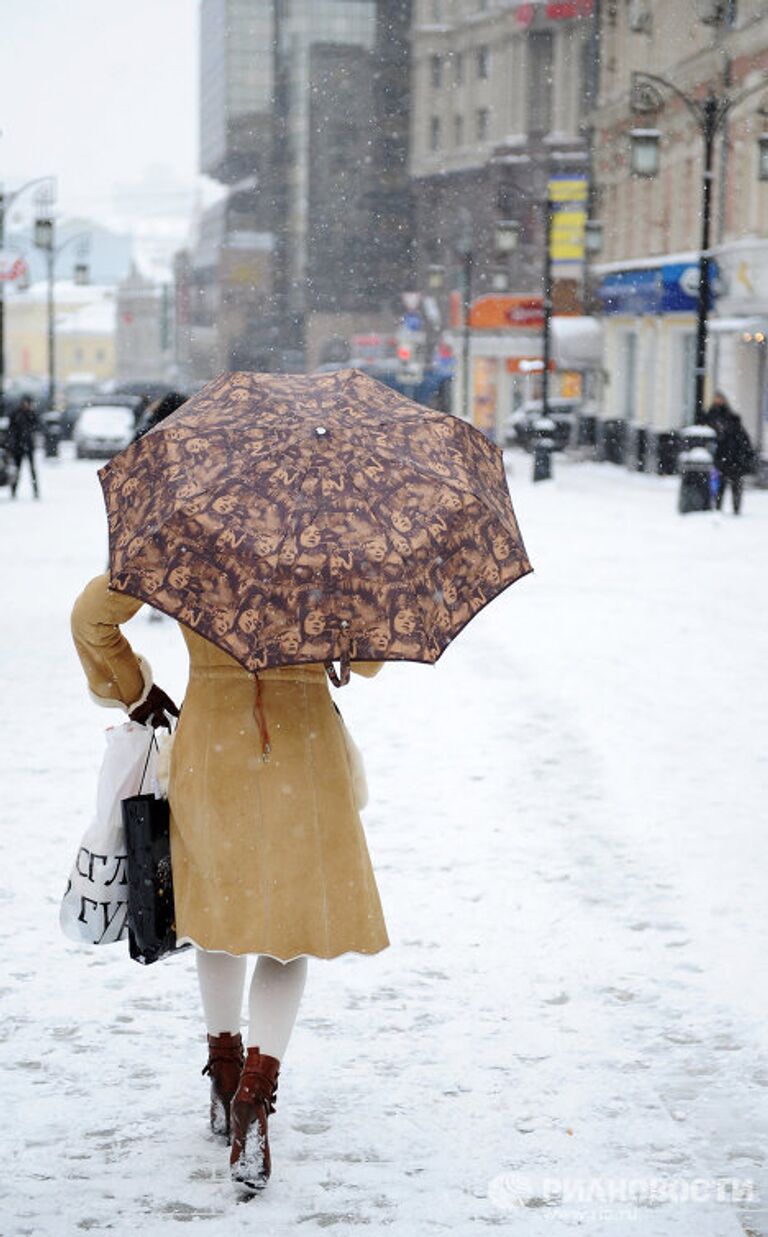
(157, 411)
(734, 456)
(23, 425)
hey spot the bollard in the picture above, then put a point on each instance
(696, 470)
(542, 459)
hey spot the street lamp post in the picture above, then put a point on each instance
(710, 115)
(467, 262)
(547, 323)
(44, 240)
(5, 205)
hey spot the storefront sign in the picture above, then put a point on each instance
(11, 266)
(490, 313)
(569, 9)
(564, 10)
(666, 289)
(568, 206)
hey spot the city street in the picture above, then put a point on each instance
(567, 822)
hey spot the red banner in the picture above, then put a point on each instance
(569, 9)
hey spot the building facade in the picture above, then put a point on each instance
(648, 277)
(500, 96)
(84, 321)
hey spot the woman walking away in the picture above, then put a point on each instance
(268, 851)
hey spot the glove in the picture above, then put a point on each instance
(155, 708)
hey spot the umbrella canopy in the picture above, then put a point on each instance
(291, 518)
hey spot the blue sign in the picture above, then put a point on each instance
(413, 321)
(670, 288)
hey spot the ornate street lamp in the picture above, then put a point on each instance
(710, 113)
(506, 236)
(645, 151)
(435, 278)
(593, 237)
(43, 233)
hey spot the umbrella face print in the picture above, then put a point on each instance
(321, 518)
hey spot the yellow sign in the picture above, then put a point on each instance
(568, 216)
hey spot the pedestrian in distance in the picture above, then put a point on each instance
(23, 427)
(268, 851)
(734, 454)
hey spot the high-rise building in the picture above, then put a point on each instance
(306, 247)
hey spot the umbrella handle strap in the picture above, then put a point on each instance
(342, 677)
(260, 717)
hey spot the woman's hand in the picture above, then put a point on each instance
(155, 709)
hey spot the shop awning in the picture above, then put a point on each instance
(577, 343)
(726, 326)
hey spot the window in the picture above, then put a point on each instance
(540, 55)
(483, 59)
(482, 123)
(434, 133)
(458, 68)
(436, 71)
(458, 130)
(686, 376)
(628, 374)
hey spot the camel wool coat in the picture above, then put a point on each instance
(268, 855)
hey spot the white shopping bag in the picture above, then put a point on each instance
(94, 907)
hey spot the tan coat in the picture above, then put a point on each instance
(269, 856)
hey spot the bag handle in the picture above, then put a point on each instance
(146, 762)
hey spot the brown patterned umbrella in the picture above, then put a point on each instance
(291, 518)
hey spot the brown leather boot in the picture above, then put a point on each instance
(225, 1061)
(254, 1100)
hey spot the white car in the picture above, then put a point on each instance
(102, 430)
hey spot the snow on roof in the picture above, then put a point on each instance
(97, 319)
(64, 290)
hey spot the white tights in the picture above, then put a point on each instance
(273, 998)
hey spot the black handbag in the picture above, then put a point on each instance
(151, 916)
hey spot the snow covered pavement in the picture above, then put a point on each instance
(567, 822)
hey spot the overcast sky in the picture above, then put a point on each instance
(97, 92)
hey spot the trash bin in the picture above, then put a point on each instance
(612, 441)
(694, 436)
(51, 425)
(639, 450)
(696, 469)
(586, 431)
(667, 452)
(543, 446)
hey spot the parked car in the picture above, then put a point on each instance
(519, 425)
(102, 430)
(79, 391)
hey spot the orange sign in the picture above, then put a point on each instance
(526, 365)
(495, 312)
